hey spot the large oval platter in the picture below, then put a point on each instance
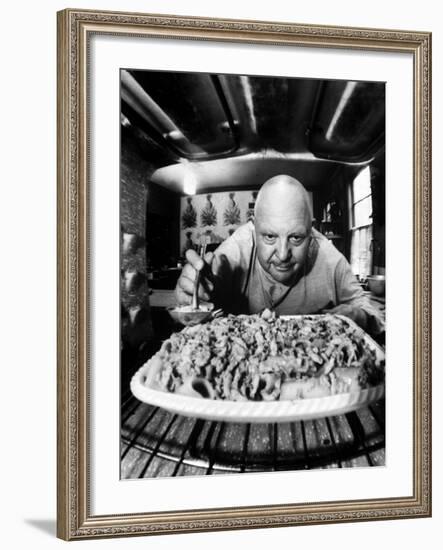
(256, 411)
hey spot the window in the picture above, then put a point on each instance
(361, 223)
(362, 199)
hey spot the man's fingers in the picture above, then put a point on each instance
(187, 286)
(182, 298)
(202, 294)
(206, 283)
(207, 276)
(186, 281)
(194, 259)
(337, 308)
(188, 272)
(209, 256)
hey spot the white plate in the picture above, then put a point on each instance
(257, 411)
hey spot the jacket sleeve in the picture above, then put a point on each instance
(230, 269)
(349, 291)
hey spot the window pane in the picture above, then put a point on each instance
(363, 212)
(361, 255)
(362, 185)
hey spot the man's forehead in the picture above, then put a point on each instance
(283, 204)
(282, 224)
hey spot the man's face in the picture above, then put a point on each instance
(283, 243)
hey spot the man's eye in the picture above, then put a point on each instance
(295, 239)
(269, 238)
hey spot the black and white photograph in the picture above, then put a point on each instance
(252, 213)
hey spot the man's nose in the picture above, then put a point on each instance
(283, 250)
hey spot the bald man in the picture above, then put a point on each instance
(280, 262)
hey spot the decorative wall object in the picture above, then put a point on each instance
(209, 213)
(230, 210)
(189, 243)
(231, 215)
(251, 204)
(189, 216)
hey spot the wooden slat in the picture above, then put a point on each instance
(133, 463)
(378, 410)
(374, 436)
(345, 442)
(319, 446)
(230, 448)
(298, 439)
(159, 467)
(260, 446)
(186, 470)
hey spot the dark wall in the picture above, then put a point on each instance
(162, 226)
(145, 210)
(136, 325)
(378, 187)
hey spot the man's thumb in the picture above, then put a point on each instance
(209, 256)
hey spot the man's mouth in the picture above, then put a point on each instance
(283, 267)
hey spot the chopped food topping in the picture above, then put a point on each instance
(250, 357)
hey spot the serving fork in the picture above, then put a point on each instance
(202, 252)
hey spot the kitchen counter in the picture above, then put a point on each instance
(161, 298)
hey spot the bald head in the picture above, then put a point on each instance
(283, 223)
(283, 196)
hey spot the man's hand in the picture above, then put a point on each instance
(353, 312)
(185, 284)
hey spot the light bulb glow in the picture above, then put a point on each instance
(189, 182)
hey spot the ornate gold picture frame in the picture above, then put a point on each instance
(75, 516)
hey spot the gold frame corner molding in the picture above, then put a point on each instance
(75, 28)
